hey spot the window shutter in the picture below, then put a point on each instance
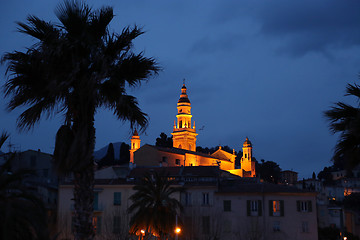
(310, 206)
(298, 206)
(248, 207)
(259, 208)
(281, 207)
(270, 208)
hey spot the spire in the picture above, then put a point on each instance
(135, 133)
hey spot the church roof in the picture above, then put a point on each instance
(184, 151)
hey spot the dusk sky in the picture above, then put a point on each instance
(266, 70)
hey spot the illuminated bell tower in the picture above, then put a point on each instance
(184, 134)
(135, 145)
(246, 161)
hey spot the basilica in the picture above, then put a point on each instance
(183, 152)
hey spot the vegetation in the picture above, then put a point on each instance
(164, 141)
(268, 171)
(74, 68)
(154, 206)
(345, 120)
(109, 158)
(22, 215)
(124, 153)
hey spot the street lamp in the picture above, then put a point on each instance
(177, 228)
(142, 233)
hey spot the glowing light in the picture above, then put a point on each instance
(177, 230)
(142, 231)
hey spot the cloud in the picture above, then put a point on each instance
(312, 26)
(300, 27)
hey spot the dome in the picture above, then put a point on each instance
(247, 143)
(183, 96)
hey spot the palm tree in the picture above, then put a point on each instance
(345, 119)
(22, 215)
(154, 207)
(75, 68)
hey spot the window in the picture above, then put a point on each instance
(205, 224)
(304, 206)
(276, 226)
(97, 224)
(305, 227)
(116, 224)
(96, 201)
(254, 207)
(227, 205)
(177, 161)
(117, 198)
(205, 198)
(164, 159)
(188, 200)
(33, 161)
(276, 208)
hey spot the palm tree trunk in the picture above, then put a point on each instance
(84, 203)
(84, 178)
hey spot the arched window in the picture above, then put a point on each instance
(245, 155)
(179, 146)
(180, 124)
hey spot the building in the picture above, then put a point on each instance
(288, 177)
(183, 152)
(217, 205)
(43, 183)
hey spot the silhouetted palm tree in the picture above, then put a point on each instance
(22, 215)
(345, 119)
(154, 206)
(74, 68)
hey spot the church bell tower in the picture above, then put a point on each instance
(184, 134)
(246, 161)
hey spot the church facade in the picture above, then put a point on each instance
(183, 152)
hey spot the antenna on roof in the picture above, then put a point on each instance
(184, 81)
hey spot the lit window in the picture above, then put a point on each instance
(117, 198)
(97, 224)
(227, 205)
(276, 208)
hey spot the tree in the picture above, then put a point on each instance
(269, 171)
(124, 153)
(154, 206)
(22, 215)
(164, 141)
(109, 158)
(345, 119)
(74, 68)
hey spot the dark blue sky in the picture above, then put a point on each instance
(262, 69)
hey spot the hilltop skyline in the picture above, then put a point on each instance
(263, 70)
